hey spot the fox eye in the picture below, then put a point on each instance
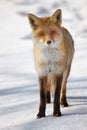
(53, 32)
(41, 33)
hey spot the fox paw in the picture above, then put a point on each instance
(64, 104)
(57, 114)
(40, 115)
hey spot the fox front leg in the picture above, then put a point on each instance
(58, 83)
(42, 106)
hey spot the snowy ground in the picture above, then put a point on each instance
(19, 93)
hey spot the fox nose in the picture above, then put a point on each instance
(49, 42)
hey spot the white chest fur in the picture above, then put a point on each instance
(49, 58)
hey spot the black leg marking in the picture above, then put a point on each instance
(57, 97)
(48, 97)
(42, 106)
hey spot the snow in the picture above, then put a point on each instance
(19, 91)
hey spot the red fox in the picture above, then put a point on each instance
(53, 54)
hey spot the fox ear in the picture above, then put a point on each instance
(34, 20)
(57, 17)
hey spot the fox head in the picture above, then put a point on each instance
(47, 30)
